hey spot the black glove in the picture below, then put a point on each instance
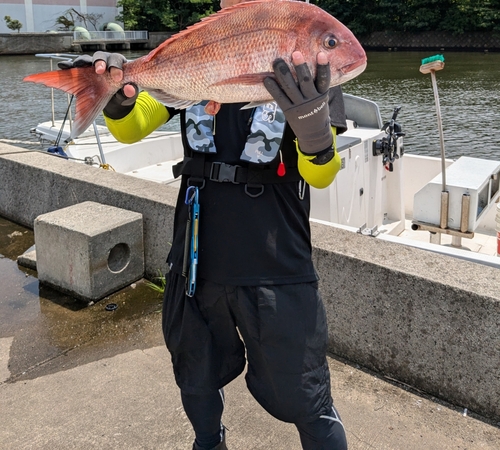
(81, 61)
(337, 109)
(120, 105)
(305, 105)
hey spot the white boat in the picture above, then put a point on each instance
(405, 205)
(380, 191)
(151, 158)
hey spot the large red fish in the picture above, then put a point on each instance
(224, 58)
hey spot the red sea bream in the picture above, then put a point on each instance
(223, 58)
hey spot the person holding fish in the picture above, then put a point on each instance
(254, 141)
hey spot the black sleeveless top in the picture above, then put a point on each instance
(246, 241)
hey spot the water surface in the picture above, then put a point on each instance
(469, 95)
(43, 325)
(468, 89)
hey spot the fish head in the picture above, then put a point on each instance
(324, 33)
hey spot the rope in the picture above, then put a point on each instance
(44, 152)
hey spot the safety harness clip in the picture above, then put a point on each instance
(223, 173)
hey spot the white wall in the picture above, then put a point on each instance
(39, 17)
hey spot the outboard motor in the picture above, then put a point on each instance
(388, 146)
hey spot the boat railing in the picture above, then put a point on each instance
(52, 57)
(63, 57)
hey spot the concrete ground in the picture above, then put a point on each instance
(76, 376)
(109, 385)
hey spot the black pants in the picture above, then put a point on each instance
(205, 414)
(284, 334)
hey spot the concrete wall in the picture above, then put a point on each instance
(31, 43)
(156, 38)
(425, 319)
(431, 40)
(33, 183)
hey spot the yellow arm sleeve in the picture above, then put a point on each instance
(148, 114)
(319, 176)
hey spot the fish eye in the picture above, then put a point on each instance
(330, 42)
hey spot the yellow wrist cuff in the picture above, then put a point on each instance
(319, 176)
(148, 114)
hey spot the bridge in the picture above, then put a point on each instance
(101, 40)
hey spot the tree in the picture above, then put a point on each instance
(361, 16)
(190, 12)
(130, 15)
(456, 16)
(161, 15)
(66, 23)
(72, 16)
(13, 24)
(467, 15)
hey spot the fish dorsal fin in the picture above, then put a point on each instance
(202, 23)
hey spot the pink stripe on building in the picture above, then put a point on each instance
(65, 3)
(109, 3)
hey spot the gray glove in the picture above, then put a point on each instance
(81, 61)
(305, 105)
(120, 105)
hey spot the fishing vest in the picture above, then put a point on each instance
(263, 142)
(262, 146)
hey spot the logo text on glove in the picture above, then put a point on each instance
(314, 111)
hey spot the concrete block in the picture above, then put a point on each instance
(28, 258)
(89, 250)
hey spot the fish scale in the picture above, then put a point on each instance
(223, 58)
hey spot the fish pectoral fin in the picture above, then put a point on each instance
(255, 104)
(212, 108)
(247, 79)
(173, 102)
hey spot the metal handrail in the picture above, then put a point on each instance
(109, 35)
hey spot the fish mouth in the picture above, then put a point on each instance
(354, 68)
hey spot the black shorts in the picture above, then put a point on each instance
(284, 331)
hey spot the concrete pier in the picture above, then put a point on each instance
(32, 43)
(427, 320)
(108, 45)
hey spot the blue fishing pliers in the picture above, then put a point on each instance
(193, 223)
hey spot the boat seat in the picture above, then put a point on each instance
(344, 142)
(364, 112)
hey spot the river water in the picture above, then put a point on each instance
(469, 92)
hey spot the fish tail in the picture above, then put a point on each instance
(92, 92)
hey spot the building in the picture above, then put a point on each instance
(41, 15)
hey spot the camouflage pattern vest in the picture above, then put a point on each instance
(263, 142)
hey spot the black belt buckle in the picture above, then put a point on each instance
(223, 173)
